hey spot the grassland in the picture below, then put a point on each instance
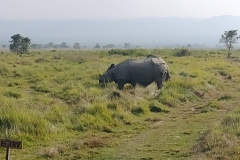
(51, 100)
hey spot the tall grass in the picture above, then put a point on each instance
(50, 95)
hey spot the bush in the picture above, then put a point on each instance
(115, 95)
(41, 89)
(155, 108)
(137, 111)
(223, 73)
(181, 52)
(119, 52)
(128, 52)
(112, 106)
(12, 94)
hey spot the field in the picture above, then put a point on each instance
(52, 101)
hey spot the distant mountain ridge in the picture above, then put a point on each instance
(140, 31)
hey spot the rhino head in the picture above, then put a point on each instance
(168, 77)
(167, 72)
(106, 77)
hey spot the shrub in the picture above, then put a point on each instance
(41, 89)
(223, 73)
(115, 94)
(128, 52)
(181, 52)
(119, 52)
(112, 106)
(155, 108)
(137, 111)
(12, 94)
(212, 52)
(184, 74)
(4, 70)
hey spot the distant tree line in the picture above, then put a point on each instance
(50, 45)
(21, 45)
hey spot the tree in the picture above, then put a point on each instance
(229, 38)
(56, 46)
(64, 45)
(3, 46)
(137, 46)
(76, 46)
(33, 46)
(127, 45)
(19, 44)
(97, 46)
(46, 46)
(50, 45)
(109, 46)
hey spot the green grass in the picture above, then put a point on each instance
(53, 102)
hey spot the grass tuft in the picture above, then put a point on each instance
(115, 94)
(137, 111)
(12, 94)
(157, 109)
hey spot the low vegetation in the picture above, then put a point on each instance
(51, 100)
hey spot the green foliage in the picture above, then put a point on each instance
(97, 46)
(128, 52)
(137, 110)
(112, 106)
(19, 44)
(64, 45)
(157, 109)
(12, 94)
(76, 46)
(229, 38)
(223, 73)
(115, 94)
(181, 52)
(3, 70)
(40, 89)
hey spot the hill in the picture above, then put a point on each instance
(139, 31)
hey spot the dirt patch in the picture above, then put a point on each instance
(156, 124)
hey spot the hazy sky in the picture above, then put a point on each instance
(73, 9)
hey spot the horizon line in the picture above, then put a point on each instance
(117, 18)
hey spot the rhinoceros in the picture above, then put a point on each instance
(142, 72)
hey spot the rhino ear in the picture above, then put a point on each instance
(112, 66)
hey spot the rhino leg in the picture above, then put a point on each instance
(120, 84)
(159, 85)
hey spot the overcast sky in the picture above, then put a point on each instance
(74, 9)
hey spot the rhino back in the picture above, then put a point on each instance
(121, 71)
(136, 71)
(141, 71)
